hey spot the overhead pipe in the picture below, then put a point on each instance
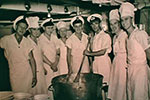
(41, 7)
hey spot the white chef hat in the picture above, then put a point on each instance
(113, 14)
(94, 17)
(77, 18)
(19, 19)
(127, 9)
(33, 22)
(61, 24)
(47, 22)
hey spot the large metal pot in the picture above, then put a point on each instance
(88, 87)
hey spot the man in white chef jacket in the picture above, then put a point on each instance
(117, 82)
(34, 30)
(76, 44)
(138, 52)
(62, 32)
(100, 46)
(18, 51)
(48, 43)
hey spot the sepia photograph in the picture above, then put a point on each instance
(74, 49)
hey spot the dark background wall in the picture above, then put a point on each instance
(4, 69)
(4, 73)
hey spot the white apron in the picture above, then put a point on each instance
(77, 47)
(62, 65)
(138, 70)
(117, 84)
(40, 87)
(49, 50)
(18, 59)
(101, 64)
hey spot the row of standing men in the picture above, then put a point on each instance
(130, 72)
(35, 60)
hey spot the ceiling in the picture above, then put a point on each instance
(10, 9)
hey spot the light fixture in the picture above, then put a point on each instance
(27, 5)
(66, 9)
(48, 15)
(49, 8)
(100, 5)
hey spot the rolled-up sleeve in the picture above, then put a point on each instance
(107, 43)
(143, 38)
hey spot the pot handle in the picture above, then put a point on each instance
(104, 87)
(50, 88)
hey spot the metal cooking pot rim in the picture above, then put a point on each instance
(64, 75)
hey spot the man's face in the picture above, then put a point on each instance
(95, 26)
(78, 27)
(115, 26)
(49, 29)
(126, 22)
(62, 32)
(21, 28)
(35, 32)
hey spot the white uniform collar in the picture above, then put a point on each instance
(32, 40)
(16, 39)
